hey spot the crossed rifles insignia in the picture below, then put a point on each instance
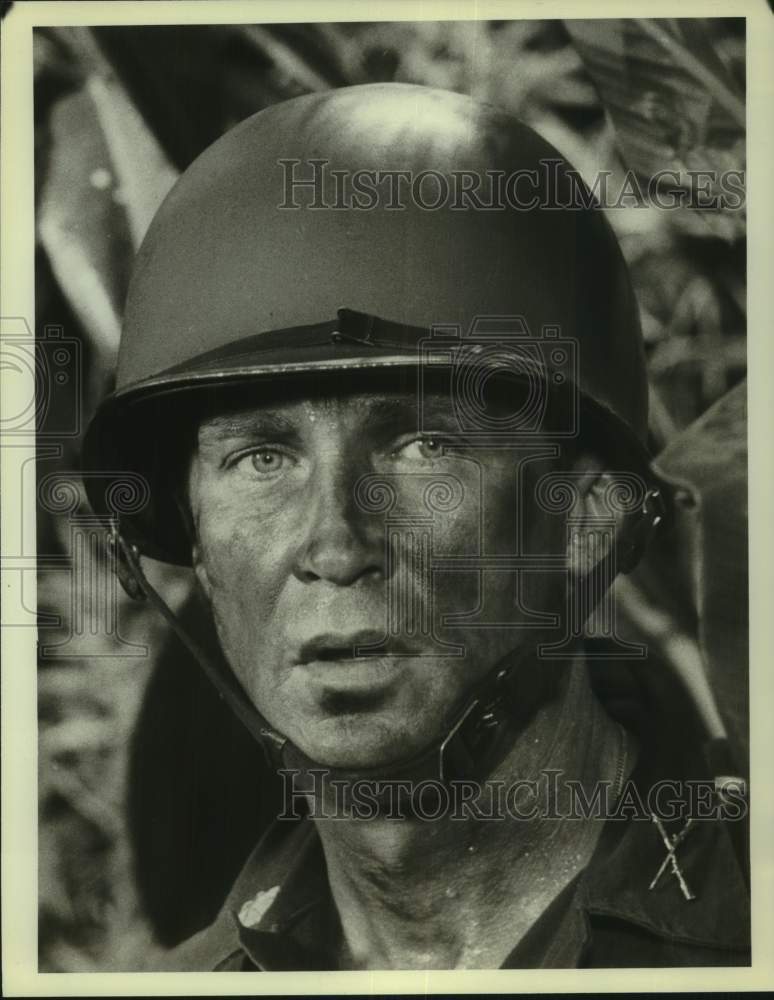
(670, 861)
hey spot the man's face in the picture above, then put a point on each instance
(305, 562)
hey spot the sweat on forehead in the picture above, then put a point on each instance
(368, 408)
(430, 394)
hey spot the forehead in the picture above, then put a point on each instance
(364, 407)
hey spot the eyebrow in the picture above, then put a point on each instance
(230, 425)
(411, 408)
(378, 412)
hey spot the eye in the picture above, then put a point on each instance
(420, 449)
(266, 462)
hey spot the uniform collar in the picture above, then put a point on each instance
(289, 920)
(281, 915)
(292, 924)
(629, 854)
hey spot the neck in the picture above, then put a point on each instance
(459, 890)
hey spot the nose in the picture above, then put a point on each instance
(341, 543)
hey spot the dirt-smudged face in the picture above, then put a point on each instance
(315, 523)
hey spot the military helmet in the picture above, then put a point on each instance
(355, 231)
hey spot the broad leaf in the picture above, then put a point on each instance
(707, 464)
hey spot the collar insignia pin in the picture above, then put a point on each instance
(671, 844)
(251, 913)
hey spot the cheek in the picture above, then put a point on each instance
(245, 569)
(483, 601)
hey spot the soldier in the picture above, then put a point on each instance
(381, 367)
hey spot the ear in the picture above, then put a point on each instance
(200, 570)
(596, 525)
(197, 559)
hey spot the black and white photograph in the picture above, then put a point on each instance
(378, 555)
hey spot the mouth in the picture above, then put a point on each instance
(337, 646)
(361, 662)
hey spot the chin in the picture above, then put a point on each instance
(357, 742)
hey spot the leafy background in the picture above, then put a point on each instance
(149, 795)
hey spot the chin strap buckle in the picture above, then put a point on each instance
(127, 565)
(454, 758)
(651, 515)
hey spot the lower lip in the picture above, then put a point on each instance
(362, 674)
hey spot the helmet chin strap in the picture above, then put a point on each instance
(136, 584)
(474, 737)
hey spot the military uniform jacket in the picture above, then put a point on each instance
(280, 914)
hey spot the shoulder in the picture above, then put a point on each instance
(218, 946)
(206, 951)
